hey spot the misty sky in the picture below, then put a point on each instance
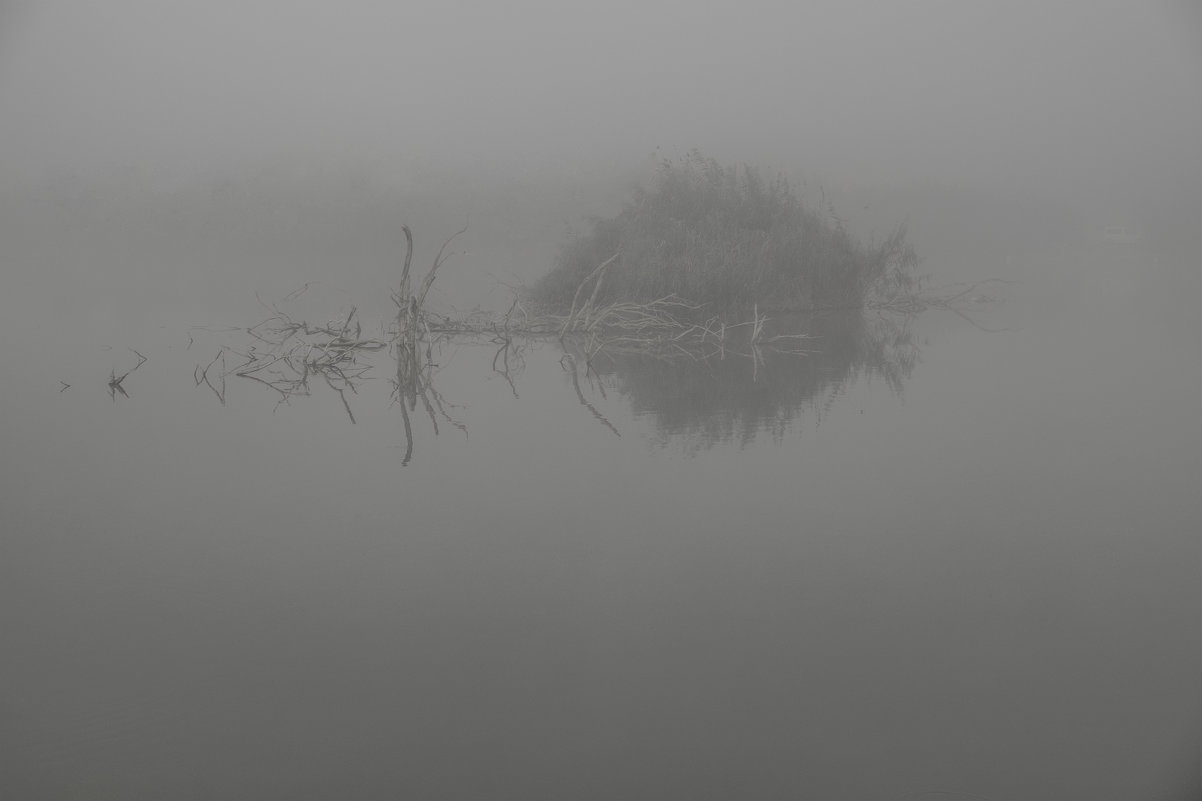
(1106, 93)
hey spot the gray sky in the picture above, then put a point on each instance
(1096, 92)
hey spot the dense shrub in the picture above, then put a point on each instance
(725, 237)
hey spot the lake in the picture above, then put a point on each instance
(954, 556)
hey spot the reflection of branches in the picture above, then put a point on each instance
(115, 380)
(948, 302)
(504, 369)
(295, 352)
(716, 399)
(571, 360)
(296, 293)
(408, 434)
(441, 404)
(974, 323)
(341, 393)
(414, 380)
(950, 299)
(886, 348)
(594, 381)
(511, 354)
(288, 356)
(202, 376)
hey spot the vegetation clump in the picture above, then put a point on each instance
(725, 238)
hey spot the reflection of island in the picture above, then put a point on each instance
(291, 356)
(736, 397)
(730, 384)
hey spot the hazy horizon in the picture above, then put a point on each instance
(1064, 96)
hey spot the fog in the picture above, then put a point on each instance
(1095, 105)
(940, 555)
(985, 127)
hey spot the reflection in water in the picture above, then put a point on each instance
(289, 354)
(734, 397)
(508, 359)
(116, 381)
(415, 370)
(238, 590)
(568, 363)
(731, 391)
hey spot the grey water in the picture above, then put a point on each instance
(949, 556)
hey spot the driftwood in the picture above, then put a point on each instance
(664, 326)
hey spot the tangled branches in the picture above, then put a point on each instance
(291, 354)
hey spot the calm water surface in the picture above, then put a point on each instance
(939, 558)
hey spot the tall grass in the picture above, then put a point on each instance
(725, 237)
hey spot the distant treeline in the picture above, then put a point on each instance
(726, 237)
